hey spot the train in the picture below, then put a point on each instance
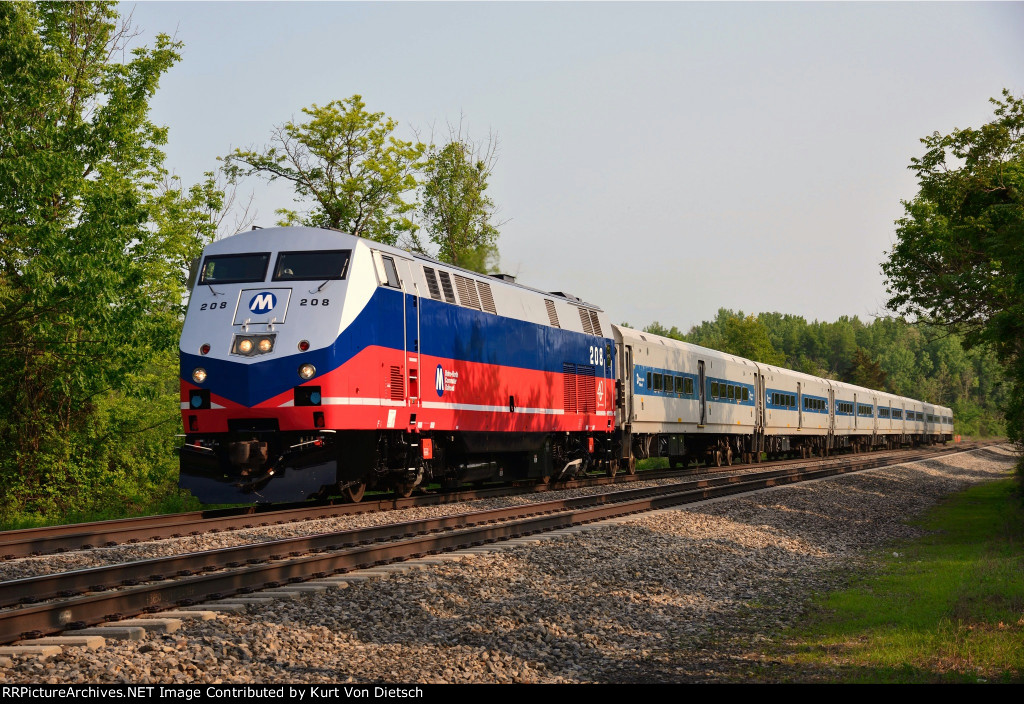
(316, 363)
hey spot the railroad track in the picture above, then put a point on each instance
(57, 539)
(90, 596)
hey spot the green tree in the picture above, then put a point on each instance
(348, 161)
(866, 372)
(958, 262)
(657, 328)
(456, 212)
(91, 286)
(735, 333)
(746, 337)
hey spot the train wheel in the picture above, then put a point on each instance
(354, 492)
(613, 468)
(404, 489)
(757, 457)
(631, 466)
(728, 457)
(718, 458)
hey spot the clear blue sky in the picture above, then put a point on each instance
(659, 159)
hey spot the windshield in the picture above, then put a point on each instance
(312, 266)
(235, 268)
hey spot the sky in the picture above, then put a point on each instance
(661, 160)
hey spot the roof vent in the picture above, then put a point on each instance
(505, 277)
(566, 295)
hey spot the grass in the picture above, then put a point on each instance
(175, 502)
(948, 607)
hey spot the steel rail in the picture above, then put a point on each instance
(55, 539)
(73, 582)
(110, 605)
(30, 542)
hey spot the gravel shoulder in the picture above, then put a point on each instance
(682, 595)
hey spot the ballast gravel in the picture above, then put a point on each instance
(681, 595)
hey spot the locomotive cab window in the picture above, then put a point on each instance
(234, 268)
(320, 265)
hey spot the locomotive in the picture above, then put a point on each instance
(316, 362)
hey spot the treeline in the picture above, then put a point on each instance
(918, 361)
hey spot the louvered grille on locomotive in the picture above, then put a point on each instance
(486, 299)
(585, 320)
(586, 396)
(569, 387)
(397, 384)
(552, 313)
(446, 285)
(435, 290)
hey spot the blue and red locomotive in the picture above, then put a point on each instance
(314, 362)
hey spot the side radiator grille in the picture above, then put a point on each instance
(397, 384)
(569, 387)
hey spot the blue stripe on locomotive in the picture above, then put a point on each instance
(449, 331)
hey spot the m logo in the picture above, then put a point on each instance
(439, 381)
(263, 302)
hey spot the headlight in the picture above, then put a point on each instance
(252, 345)
(306, 371)
(199, 375)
